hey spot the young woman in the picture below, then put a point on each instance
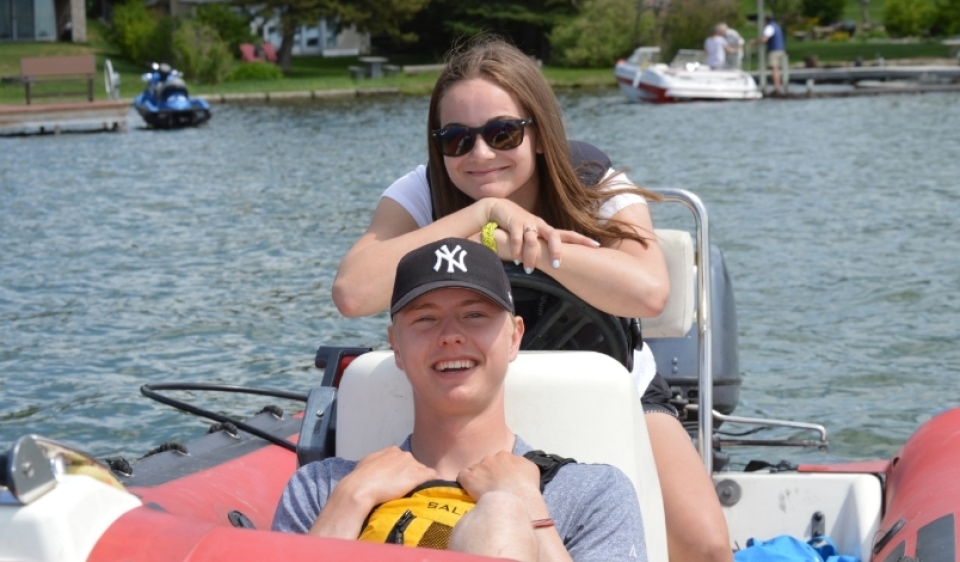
(500, 172)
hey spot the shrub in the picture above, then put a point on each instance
(200, 53)
(255, 71)
(232, 27)
(140, 36)
(601, 33)
(133, 26)
(839, 37)
(159, 45)
(908, 17)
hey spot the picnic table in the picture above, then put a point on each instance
(374, 66)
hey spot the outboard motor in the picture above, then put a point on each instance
(677, 359)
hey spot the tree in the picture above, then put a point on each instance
(601, 32)
(826, 11)
(527, 23)
(689, 22)
(377, 17)
(948, 16)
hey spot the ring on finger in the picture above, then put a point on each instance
(529, 229)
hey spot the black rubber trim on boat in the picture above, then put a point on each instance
(882, 541)
(936, 541)
(151, 391)
(240, 520)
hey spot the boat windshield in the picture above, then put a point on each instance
(644, 56)
(689, 59)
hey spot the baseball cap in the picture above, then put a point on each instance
(451, 262)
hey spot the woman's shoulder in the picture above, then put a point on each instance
(412, 192)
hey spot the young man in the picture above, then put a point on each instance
(454, 333)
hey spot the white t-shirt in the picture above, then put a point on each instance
(715, 46)
(412, 192)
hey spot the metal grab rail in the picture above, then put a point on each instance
(704, 316)
(822, 442)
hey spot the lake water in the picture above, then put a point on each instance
(207, 255)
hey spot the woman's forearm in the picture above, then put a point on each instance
(364, 281)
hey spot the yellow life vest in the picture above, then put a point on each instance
(426, 516)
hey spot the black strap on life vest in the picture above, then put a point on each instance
(548, 464)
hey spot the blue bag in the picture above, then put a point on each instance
(791, 549)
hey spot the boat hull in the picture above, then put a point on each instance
(662, 84)
(922, 518)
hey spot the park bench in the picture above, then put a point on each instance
(71, 68)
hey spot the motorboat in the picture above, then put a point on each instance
(642, 77)
(165, 102)
(569, 392)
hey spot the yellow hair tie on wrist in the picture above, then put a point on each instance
(486, 235)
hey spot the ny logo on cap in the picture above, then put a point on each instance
(444, 254)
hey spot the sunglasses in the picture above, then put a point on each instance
(499, 135)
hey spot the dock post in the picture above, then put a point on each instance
(785, 71)
(761, 49)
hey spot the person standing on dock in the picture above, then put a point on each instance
(776, 49)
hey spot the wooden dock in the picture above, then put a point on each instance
(64, 117)
(871, 80)
(854, 74)
(861, 90)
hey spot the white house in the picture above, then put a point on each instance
(320, 39)
(43, 20)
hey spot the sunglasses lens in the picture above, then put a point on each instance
(456, 141)
(499, 135)
(503, 135)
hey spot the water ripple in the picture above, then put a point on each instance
(208, 254)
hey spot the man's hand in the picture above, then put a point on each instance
(506, 472)
(379, 477)
(386, 475)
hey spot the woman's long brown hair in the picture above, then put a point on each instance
(563, 200)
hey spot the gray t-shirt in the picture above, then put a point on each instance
(594, 506)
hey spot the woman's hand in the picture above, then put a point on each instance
(521, 236)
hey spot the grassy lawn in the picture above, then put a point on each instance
(828, 51)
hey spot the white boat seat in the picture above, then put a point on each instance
(563, 402)
(677, 316)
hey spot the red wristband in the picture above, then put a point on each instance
(541, 523)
